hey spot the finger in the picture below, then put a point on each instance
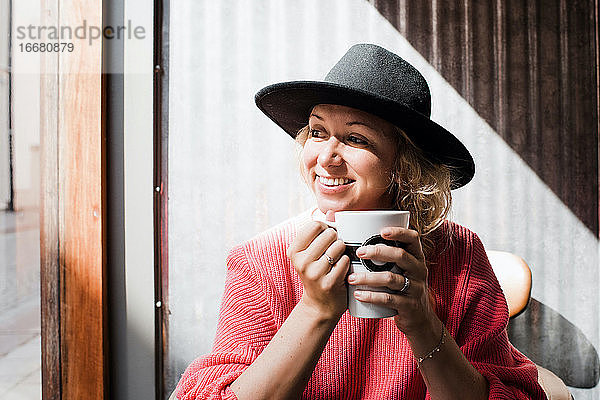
(318, 246)
(405, 260)
(334, 251)
(409, 238)
(306, 236)
(330, 216)
(385, 299)
(386, 279)
(337, 274)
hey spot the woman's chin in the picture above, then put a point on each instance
(335, 206)
(325, 206)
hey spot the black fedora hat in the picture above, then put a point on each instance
(372, 79)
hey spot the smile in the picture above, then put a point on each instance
(333, 181)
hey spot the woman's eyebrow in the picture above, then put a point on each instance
(349, 123)
(359, 123)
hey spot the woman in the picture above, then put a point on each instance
(367, 143)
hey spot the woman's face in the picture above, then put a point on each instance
(348, 158)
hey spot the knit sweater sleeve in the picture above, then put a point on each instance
(245, 327)
(482, 334)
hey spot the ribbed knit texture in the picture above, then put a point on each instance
(364, 358)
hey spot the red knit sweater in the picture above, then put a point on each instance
(364, 358)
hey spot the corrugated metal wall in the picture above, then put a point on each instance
(515, 81)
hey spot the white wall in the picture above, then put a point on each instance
(232, 171)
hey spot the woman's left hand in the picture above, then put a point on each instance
(415, 311)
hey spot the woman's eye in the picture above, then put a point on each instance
(315, 133)
(357, 140)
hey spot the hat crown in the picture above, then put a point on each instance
(375, 70)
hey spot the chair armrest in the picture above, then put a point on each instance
(514, 277)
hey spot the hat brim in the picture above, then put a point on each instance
(288, 104)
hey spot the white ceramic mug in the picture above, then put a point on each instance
(358, 228)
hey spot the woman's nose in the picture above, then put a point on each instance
(330, 154)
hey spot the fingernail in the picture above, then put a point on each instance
(386, 232)
(361, 252)
(351, 278)
(358, 295)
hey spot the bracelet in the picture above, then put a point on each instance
(435, 349)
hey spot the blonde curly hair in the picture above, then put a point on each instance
(417, 184)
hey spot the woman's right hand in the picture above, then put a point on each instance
(324, 283)
(283, 368)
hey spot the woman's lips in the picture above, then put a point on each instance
(332, 185)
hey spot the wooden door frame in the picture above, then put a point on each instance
(86, 242)
(73, 212)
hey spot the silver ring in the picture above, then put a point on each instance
(406, 285)
(330, 260)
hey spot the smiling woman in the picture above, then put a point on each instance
(368, 143)
(347, 158)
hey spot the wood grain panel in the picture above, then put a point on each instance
(82, 210)
(49, 244)
(72, 232)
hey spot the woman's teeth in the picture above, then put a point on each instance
(334, 181)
